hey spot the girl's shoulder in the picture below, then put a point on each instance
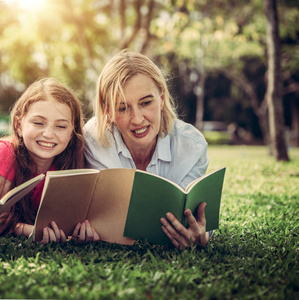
(7, 162)
(6, 145)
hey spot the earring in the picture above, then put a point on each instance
(108, 122)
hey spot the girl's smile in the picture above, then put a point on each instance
(46, 144)
(46, 130)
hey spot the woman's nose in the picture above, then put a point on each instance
(136, 116)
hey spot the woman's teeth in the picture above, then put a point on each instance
(142, 130)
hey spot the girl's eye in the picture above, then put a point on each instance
(61, 126)
(38, 123)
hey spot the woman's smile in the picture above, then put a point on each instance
(141, 132)
(139, 117)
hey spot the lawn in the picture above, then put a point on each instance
(253, 255)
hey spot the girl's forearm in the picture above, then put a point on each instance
(22, 228)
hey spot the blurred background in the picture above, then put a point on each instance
(215, 52)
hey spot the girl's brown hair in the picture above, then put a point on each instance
(25, 168)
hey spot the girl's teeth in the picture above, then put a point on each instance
(51, 145)
(141, 130)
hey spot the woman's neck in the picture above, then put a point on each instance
(142, 157)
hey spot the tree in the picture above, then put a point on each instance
(192, 39)
(274, 81)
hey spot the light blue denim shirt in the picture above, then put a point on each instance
(181, 156)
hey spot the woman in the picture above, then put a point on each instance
(135, 126)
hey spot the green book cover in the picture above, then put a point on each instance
(153, 196)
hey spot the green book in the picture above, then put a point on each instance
(152, 197)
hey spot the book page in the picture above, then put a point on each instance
(208, 190)
(152, 197)
(108, 210)
(65, 200)
(70, 172)
(164, 179)
(16, 194)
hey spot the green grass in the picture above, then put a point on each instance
(217, 137)
(253, 255)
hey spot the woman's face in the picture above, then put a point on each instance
(139, 118)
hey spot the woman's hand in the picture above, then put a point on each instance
(53, 234)
(180, 236)
(85, 233)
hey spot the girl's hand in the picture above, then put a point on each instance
(85, 233)
(53, 234)
(22, 228)
(180, 236)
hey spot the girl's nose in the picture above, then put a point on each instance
(48, 132)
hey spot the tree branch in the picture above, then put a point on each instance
(137, 25)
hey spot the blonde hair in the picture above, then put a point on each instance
(112, 80)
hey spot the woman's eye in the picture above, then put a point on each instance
(61, 126)
(122, 108)
(38, 123)
(146, 103)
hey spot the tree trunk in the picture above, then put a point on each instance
(295, 123)
(274, 89)
(199, 92)
(260, 109)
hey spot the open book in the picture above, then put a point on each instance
(124, 205)
(16, 194)
(152, 197)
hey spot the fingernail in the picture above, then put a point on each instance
(168, 215)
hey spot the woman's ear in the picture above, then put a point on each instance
(19, 128)
(162, 98)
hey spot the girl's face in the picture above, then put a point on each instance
(46, 130)
(139, 119)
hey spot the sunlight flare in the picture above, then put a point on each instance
(27, 4)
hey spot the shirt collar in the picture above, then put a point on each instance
(120, 145)
(162, 151)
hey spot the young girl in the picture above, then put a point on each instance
(46, 126)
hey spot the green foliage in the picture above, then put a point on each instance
(217, 137)
(253, 255)
(72, 40)
(4, 124)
